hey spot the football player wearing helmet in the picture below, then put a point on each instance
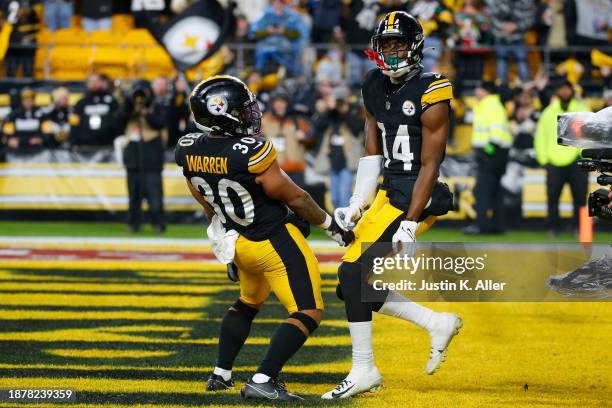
(407, 124)
(259, 223)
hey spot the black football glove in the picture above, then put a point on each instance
(342, 237)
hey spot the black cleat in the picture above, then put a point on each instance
(217, 383)
(271, 390)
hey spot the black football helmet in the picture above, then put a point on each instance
(402, 26)
(224, 105)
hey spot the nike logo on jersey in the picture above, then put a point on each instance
(207, 164)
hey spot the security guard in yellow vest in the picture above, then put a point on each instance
(491, 140)
(560, 161)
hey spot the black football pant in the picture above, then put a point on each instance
(145, 185)
(488, 193)
(556, 177)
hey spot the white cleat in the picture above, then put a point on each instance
(356, 384)
(446, 328)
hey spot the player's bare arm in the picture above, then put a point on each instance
(278, 186)
(435, 133)
(196, 194)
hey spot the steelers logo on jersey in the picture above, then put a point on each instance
(216, 104)
(408, 108)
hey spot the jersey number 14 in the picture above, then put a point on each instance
(401, 147)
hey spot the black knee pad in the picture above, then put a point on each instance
(244, 310)
(308, 322)
(339, 292)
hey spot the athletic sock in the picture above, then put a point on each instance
(235, 329)
(260, 378)
(225, 374)
(397, 305)
(361, 338)
(287, 339)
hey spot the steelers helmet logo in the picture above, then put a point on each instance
(408, 108)
(216, 104)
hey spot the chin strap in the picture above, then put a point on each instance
(366, 181)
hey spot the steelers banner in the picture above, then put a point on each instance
(194, 34)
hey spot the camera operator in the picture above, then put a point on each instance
(144, 115)
(338, 121)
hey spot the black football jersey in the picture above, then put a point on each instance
(397, 110)
(223, 170)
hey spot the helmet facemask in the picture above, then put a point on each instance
(401, 57)
(250, 119)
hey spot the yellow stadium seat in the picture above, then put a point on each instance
(156, 62)
(116, 62)
(42, 99)
(70, 36)
(69, 62)
(103, 37)
(73, 98)
(41, 60)
(138, 37)
(122, 22)
(5, 99)
(45, 37)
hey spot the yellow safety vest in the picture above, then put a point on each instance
(490, 123)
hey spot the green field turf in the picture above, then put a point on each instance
(108, 229)
(140, 336)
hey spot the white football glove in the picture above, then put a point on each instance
(346, 217)
(222, 242)
(404, 239)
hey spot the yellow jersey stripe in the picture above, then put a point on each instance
(262, 151)
(437, 95)
(262, 163)
(437, 82)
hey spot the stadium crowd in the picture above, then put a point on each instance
(306, 67)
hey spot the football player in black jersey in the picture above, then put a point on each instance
(232, 172)
(407, 122)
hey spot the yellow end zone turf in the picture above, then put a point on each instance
(145, 333)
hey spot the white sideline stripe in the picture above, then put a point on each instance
(178, 242)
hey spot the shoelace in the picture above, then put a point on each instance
(342, 384)
(280, 384)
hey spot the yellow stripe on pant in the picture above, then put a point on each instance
(283, 264)
(375, 221)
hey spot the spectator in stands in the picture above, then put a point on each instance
(470, 33)
(338, 126)
(331, 66)
(178, 109)
(146, 12)
(560, 161)
(436, 20)
(279, 35)
(55, 119)
(96, 15)
(509, 21)
(289, 134)
(22, 43)
(22, 126)
(94, 116)
(491, 141)
(607, 96)
(58, 14)
(144, 116)
(358, 23)
(326, 15)
(588, 23)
